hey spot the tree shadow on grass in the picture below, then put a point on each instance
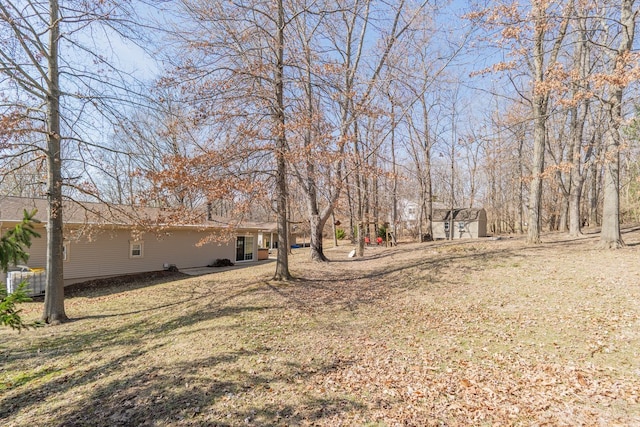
(385, 253)
(210, 390)
(177, 394)
(32, 388)
(182, 395)
(128, 334)
(116, 389)
(164, 395)
(379, 253)
(188, 297)
(128, 282)
(60, 380)
(359, 288)
(313, 410)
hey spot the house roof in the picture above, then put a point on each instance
(12, 208)
(103, 214)
(459, 214)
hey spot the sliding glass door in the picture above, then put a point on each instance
(244, 248)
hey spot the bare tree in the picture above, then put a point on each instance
(542, 63)
(579, 112)
(317, 161)
(282, 266)
(39, 81)
(56, 101)
(536, 38)
(610, 236)
(337, 85)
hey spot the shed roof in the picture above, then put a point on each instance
(459, 214)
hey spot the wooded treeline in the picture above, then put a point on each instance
(307, 112)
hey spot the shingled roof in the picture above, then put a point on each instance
(12, 208)
(459, 214)
(103, 214)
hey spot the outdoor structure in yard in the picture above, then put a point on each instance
(103, 241)
(410, 215)
(468, 223)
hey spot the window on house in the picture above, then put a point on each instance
(136, 249)
(65, 251)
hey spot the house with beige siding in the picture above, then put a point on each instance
(102, 241)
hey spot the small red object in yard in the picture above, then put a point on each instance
(367, 241)
(379, 240)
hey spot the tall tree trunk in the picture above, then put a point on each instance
(366, 200)
(282, 261)
(316, 221)
(520, 201)
(452, 193)
(540, 99)
(452, 187)
(54, 311)
(577, 174)
(376, 199)
(563, 220)
(394, 166)
(317, 217)
(428, 184)
(578, 120)
(359, 178)
(593, 191)
(315, 242)
(610, 237)
(352, 214)
(335, 231)
(539, 135)
(575, 222)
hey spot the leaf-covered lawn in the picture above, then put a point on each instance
(472, 333)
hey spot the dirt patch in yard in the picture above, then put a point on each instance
(483, 332)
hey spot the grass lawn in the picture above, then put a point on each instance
(467, 333)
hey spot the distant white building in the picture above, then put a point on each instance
(409, 213)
